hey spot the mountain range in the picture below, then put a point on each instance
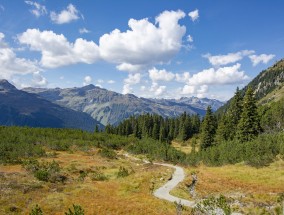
(20, 108)
(109, 107)
(88, 106)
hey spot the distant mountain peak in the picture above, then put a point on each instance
(88, 87)
(6, 85)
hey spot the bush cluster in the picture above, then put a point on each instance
(258, 152)
(45, 171)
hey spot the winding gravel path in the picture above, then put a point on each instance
(164, 191)
(177, 177)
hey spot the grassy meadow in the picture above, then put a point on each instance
(21, 191)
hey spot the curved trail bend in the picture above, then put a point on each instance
(164, 191)
(177, 177)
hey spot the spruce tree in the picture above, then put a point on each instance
(228, 123)
(171, 134)
(249, 124)
(156, 131)
(222, 132)
(195, 124)
(234, 115)
(188, 127)
(182, 132)
(208, 129)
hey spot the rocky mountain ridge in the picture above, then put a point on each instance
(109, 107)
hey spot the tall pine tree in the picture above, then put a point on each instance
(249, 123)
(229, 121)
(208, 129)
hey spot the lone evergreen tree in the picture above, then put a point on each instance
(249, 124)
(208, 129)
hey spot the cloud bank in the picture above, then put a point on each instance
(144, 44)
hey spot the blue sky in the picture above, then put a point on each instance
(157, 48)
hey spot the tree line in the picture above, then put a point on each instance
(158, 128)
(242, 132)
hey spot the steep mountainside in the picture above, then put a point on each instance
(25, 109)
(268, 86)
(111, 108)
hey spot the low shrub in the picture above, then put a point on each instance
(98, 176)
(108, 153)
(36, 211)
(213, 205)
(122, 172)
(76, 210)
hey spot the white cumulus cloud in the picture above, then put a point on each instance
(194, 15)
(57, 51)
(87, 80)
(132, 79)
(263, 58)
(160, 75)
(38, 10)
(158, 90)
(144, 44)
(189, 38)
(220, 60)
(127, 89)
(38, 80)
(11, 65)
(65, 16)
(184, 77)
(223, 76)
(190, 90)
(129, 67)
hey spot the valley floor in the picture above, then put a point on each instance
(249, 190)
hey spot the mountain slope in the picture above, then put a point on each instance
(24, 109)
(109, 107)
(268, 86)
